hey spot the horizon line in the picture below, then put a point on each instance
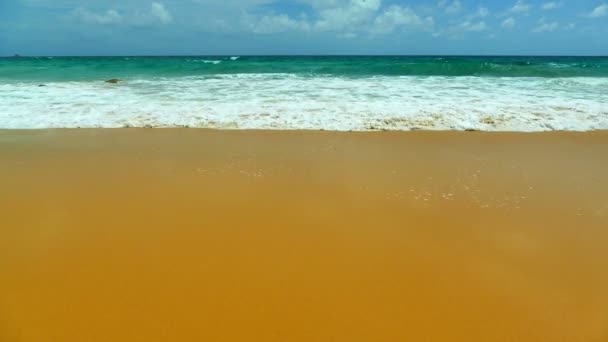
(306, 55)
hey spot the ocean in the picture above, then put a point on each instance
(343, 93)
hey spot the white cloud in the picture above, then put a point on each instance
(508, 23)
(551, 5)
(335, 15)
(454, 7)
(341, 18)
(159, 11)
(108, 17)
(156, 14)
(520, 7)
(348, 35)
(469, 26)
(482, 12)
(346, 18)
(546, 27)
(458, 31)
(396, 16)
(599, 11)
(280, 23)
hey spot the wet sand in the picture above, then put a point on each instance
(196, 235)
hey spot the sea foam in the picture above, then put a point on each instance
(287, 101)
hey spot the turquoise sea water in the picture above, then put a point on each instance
(90, 68)
(281, 92)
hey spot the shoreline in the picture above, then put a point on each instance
(297, 130)
(302, 101)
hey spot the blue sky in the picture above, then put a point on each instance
(150, 27)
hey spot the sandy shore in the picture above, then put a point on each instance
(196, 235)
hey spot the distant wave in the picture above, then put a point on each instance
(94, 68)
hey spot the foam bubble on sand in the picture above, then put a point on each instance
(285, 101)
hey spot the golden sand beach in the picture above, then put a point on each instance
(200, 235)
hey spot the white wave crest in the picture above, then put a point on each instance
(284, 101)
(206, 61)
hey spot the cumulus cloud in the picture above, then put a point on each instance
(546, 27)
(469, 26)
(108, 17)
(458, 31)
(397, 17)
(452, 8)
(340, 16)
(520, 7)
(159, 11)
(279, 23)
(508, 23)
(599, 11)
(345, 18)
(551, 5)
(482, 12)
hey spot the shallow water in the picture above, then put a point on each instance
(334, 93)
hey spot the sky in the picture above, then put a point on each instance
(301, 27)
